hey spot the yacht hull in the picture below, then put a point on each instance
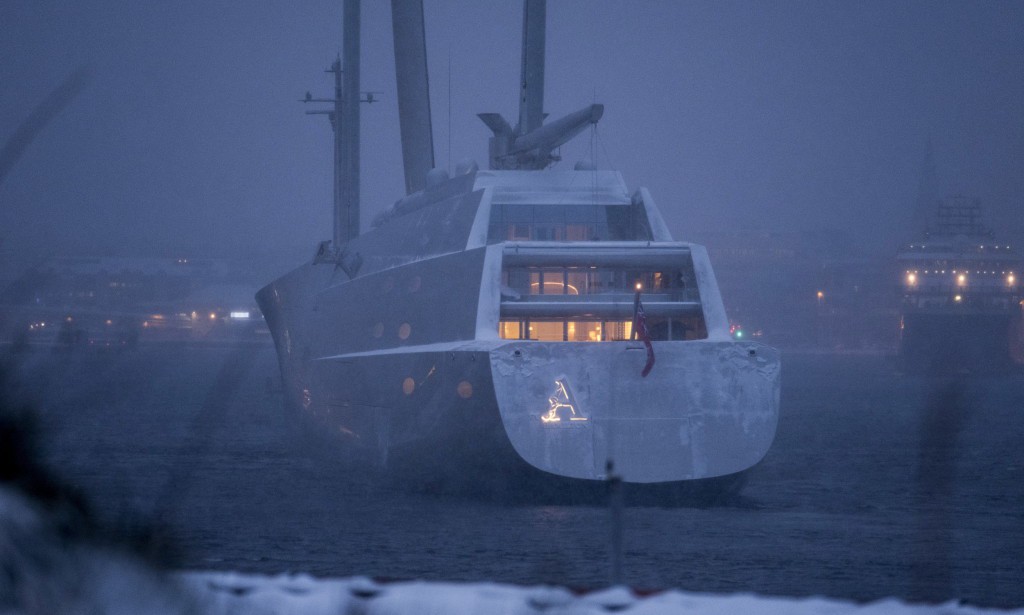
(502, 415)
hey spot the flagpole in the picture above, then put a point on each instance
(640, 330)
(636, 308)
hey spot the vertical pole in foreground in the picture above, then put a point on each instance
(615, 504)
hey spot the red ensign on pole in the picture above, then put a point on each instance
(640, 330)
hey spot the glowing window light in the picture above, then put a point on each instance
(240, 315)
(911, 279)
(1010, 279)
(213, 316)
(958, 298)
(961, 279)
(821, 295)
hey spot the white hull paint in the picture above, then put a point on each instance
(402, 361)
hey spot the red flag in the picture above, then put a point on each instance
(640, 330)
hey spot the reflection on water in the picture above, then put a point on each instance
(878, 484)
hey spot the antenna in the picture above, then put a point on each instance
(344, 118)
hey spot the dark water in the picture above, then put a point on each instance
(877, 485)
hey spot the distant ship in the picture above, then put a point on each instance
(481, 335)
(961, 308)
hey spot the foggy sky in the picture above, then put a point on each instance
(778, 115)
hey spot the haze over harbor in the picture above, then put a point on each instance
(798, 116)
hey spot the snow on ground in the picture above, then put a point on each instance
(231, 594)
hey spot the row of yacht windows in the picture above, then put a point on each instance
(552, 222)
(678, 284)
(547, 232)
(566, 330)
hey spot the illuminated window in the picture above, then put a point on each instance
(510, 330)
(582, 331)
(578, 282)
(555, 330)
(536, 285)
(676, 284)
(547, 331)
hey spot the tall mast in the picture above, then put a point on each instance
(531, 143)
(346, 214)
(344, 116)
(413, 91)
(531, 73)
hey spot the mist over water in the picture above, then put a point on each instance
(878, 484)
(750, 124)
